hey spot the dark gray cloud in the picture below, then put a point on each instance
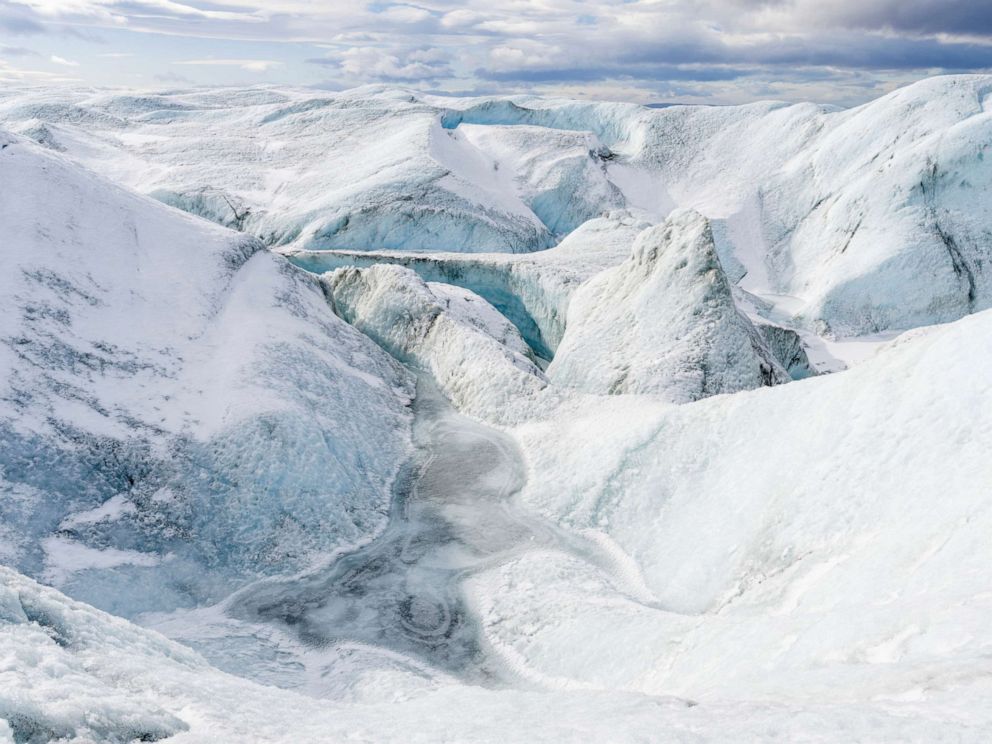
(651, 72)
(972, 17)
(833, 49)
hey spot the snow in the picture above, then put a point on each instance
(347, 170)
(818, 541)
(64, 557)
(532, 290)
(871, 227)
(69, 671)
(112, 509)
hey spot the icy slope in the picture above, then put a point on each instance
(664, 321)
(559, 174)
(176, 405)
(824, 540)
(532, 290)
(477, 358)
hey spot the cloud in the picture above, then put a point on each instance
(57, 60)
(171, 77)
(251, 65)
(592, 74)
(374, 63)
(15, 51)
(843, 50)
(403, 13)
(16, 75)
(969, 17)
(19, 21)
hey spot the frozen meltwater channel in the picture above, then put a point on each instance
(452, 514)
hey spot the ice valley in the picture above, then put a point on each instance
(494, 419)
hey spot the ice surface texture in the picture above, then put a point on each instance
(481, 364)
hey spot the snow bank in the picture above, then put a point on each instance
(664, 321)
(152, 359)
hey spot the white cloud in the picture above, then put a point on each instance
(11, 74)
(56, 59)
(405, 14)
(375, 63)
(462, 19)
(251, 65)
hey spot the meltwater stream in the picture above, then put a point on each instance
(451, 515)
(400, 596)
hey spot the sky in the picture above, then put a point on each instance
(648, 51)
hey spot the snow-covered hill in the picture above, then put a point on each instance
(664, 321)
(821, 540)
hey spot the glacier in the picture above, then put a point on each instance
(384, 416)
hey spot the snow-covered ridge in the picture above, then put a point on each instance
(476, 356)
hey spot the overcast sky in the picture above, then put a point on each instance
(707, 51)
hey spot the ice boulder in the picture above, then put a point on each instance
(664, 321)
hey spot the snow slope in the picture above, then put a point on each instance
(819, 541)
(476, 357)
(176, 404)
